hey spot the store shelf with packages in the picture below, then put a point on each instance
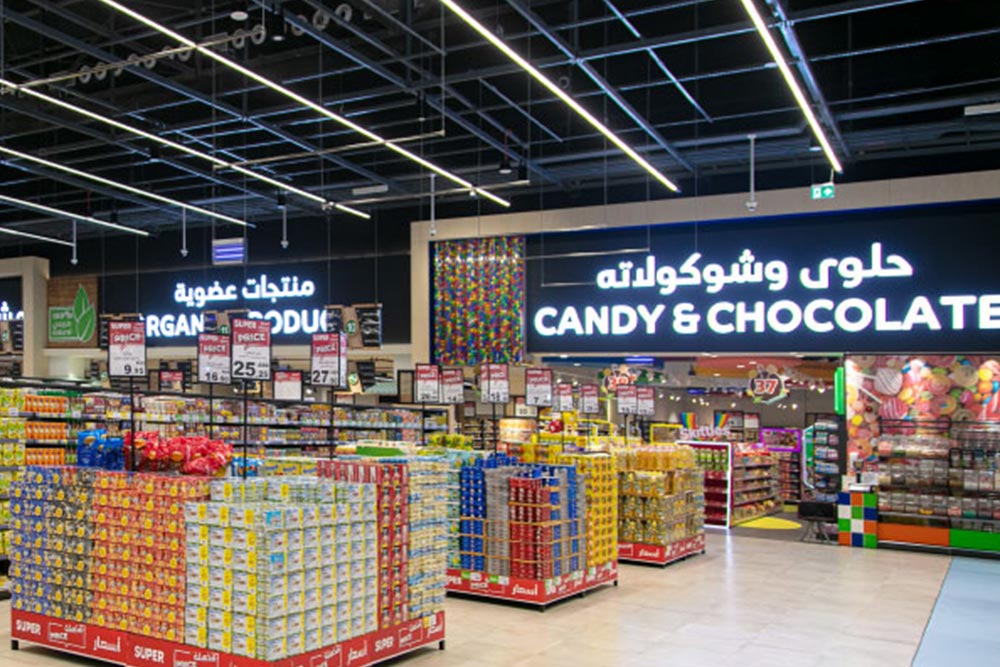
(939, 485)
(345, 565)
(824, 459)
(535, 532)
(732, 472)
(133, 650)
(51, 419)
(662, 504)
(786, 445)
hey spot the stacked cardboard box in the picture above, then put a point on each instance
(284, 576)
(50, 547)
(390, 489)
(103, 547)
(428, 482)
(598, 473)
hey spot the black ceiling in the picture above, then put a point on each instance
(892, 79)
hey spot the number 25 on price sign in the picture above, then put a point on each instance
(251, 349)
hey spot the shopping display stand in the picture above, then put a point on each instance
(535, 592)
(658, 554)
(132, 650)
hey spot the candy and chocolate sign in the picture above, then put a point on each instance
(863, 282)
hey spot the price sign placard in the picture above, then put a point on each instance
(127, 349)
(645, 401)
(288, 385)
(251, 349)
(452, 386)
(214, 363)
(325, 369)
(426, 383)
(628, 399)
(590, 399)
(564, 397)
(495, 383)
(538, 386)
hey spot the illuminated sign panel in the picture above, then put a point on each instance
(864, 282)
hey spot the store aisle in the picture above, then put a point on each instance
(965, 626)
(747, 602)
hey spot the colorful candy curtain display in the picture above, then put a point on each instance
(918, 388)
(479, 300)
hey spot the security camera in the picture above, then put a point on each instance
(752, 205)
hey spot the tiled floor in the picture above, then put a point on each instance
(747, 602)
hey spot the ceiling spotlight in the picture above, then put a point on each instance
(505, 167)
(239, 14)
(276, 26)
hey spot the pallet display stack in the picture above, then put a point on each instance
(524, 531)
(146, 569)
(662, 513)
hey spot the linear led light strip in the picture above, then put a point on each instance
(264, 81)
(120, 186)
(558, 92)
(29, 235)
(793, 85)
(22, 88)
(72, 216)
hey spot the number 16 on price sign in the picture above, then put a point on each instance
(251, 349)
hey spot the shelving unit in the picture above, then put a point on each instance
(823, 445)
(740, 482)
(786, 445)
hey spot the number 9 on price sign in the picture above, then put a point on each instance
(127, 349)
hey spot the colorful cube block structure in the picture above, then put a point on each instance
(857, 519)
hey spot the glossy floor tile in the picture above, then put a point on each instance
(746, 602)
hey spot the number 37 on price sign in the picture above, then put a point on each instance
(251, 349)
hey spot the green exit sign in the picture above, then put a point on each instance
(822, 191)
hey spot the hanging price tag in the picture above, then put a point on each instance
(495, 383)
(564, 397)
(538, 387)
(452, 386)
(645, 401)
(627, 399)
(590, 399)
(127, 349)
(214, 363)
(426, 383)
(324, 360)
(251, 349)
(288, 385)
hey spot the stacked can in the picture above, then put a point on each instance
(472, 502)
(497, 541)
(50, 547)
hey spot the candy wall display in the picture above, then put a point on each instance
(954, 388)
(479, 300)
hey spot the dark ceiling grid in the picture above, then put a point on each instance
(926, 54)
